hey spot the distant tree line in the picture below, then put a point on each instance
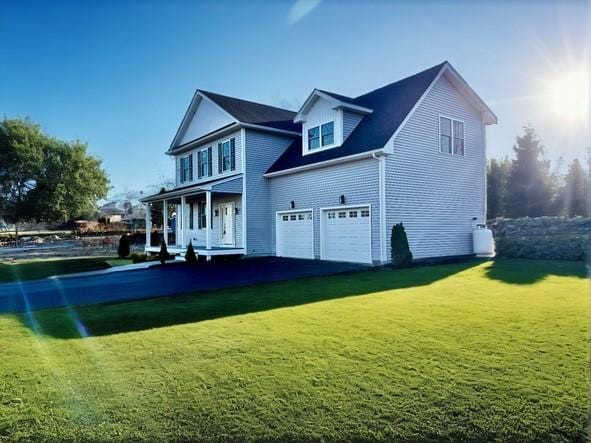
(527, 187)
(43, 178)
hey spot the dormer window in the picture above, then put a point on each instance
(327, 134)
(314, 137)
(321, 136)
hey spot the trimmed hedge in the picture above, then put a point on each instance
(547, 238)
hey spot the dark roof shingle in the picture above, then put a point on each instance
(255, 113)
(390, 104)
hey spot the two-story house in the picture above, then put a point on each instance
(330, 181)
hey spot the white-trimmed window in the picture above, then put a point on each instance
(227, 156)
(321, 136)
(187, 168)
(202, 215)
(204, 163)
(451, 136)
(327, 131)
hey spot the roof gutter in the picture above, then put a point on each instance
(335, 161)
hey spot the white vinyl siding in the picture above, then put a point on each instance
(206, 118)
(436, 196)
(350, 122)
(321, 188)
(262, 151)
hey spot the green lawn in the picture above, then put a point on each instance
(33, 269)
(472, 352)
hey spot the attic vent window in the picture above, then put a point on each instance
(321, 136)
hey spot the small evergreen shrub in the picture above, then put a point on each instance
(123, 249)
(163, 254)
(190, 256)
(401, 255)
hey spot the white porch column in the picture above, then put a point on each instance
(182, 221)
(165, 221)
(208, 219)
(148, 224)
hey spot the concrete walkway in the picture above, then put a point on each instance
(158, 281)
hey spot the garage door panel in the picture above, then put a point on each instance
(347, 234)
(295, 235)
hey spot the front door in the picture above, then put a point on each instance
(227, 224)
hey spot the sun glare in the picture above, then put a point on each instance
(568, 96)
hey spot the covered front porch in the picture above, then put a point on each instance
(209, 217)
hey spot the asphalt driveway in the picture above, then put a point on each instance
(158, 281)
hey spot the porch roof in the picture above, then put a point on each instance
(231, 185)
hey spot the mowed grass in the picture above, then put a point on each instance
(471, 352)
(22, 270)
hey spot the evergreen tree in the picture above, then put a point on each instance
(190, 256)
(163, 254)
(576, 191)
(529, 186)
(498, 171)
(401, 255)
(123, 249)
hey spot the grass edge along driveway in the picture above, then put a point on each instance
(22, 270)
(468, 352)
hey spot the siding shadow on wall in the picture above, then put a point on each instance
(108, 319)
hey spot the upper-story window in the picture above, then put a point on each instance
(227, 156)
(327, 134)
(451, 136)
(187, 168)
(204, 163)
(320, 136)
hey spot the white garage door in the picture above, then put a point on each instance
(346, 234)
(295, 234)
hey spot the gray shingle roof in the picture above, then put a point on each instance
(390, 104)
(255, 113)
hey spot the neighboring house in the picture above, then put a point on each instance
(135, 216)
(112, 212)
(330, 181)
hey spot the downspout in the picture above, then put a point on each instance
(381, 158)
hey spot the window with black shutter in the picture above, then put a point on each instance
(227, 156)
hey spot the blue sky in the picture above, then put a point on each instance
(120, 74)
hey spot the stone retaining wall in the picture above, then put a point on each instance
(552, 238)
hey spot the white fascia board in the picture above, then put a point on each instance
(226, 130)
(185, 119)
(462, 85)
(322, 164)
